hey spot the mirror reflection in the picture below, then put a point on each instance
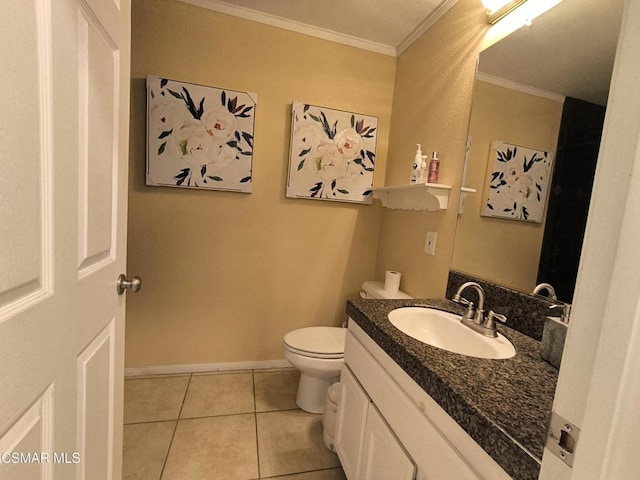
(544, 88)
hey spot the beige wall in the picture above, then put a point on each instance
(226, 275)
(500, 113)
(431, 106)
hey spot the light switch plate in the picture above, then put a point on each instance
(430, 243)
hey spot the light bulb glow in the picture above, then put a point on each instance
(522, 15)
(524, 10)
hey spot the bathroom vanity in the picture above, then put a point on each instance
(409, 410)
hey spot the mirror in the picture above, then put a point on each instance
(519, 98)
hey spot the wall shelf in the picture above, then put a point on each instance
(464, 191)
(415, 196)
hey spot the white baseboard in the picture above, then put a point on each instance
(204, 367)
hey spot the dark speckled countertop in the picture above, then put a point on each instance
(502, 404)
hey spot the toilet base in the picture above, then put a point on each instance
(312, 391)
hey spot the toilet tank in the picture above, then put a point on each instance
(371, 289)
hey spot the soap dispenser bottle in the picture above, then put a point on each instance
(415, 166)
(423, 171)
(434, 168)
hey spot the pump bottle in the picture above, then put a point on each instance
(434, 168)
(423, 171)
(415, 166)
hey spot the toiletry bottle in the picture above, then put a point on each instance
(434, 168)
(423, 171)
(415, 166)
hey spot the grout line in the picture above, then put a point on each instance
(255, 422)
(164, 464)
(145, 422)
(253, 386)
(184, 398)
(305, 471)
(218, 416)
(292, 409)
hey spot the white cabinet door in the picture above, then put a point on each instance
(383, 457)
(352, 417)
(366, 446)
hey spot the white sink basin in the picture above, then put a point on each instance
(444, 330)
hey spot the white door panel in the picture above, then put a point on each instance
(98, 104)
(26, 160)
(96, 378)
(31, 435)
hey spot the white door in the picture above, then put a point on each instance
(63, 162)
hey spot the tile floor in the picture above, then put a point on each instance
(222, 426)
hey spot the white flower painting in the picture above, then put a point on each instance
(332, 154)
(518, 186)
(198, 136)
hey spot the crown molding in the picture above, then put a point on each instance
(520, 87)
(294, 26)
(426, 25)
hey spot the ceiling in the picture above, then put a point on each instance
(569, 50)
(385, 26)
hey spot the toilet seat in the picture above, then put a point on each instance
(317, 342)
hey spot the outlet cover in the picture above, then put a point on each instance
(430, 243)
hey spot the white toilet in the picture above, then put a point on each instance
(318, 353)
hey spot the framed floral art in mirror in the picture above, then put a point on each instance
(198, 136)
(333, 154)
(518, 182)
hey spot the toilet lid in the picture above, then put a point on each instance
(322, 341)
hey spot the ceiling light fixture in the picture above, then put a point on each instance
(524, 10)
(498, 9)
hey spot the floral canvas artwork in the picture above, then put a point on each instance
(517, 187)
(333, 154)
(199, 137)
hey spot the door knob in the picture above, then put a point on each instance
(123, 284)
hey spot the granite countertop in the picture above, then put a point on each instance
(504, 405)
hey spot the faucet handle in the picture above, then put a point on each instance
(461, 300)
(492, 316)
(470, 313)
(458, 299)
(566, 310)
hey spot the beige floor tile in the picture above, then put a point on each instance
(221, 448)
(276, 390)
(219, 394)
(291, 442)
(330, 474)
(145, 447)
(153, 399)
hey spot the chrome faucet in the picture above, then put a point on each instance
(565, 311)
(474, 317)
(545, 286)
